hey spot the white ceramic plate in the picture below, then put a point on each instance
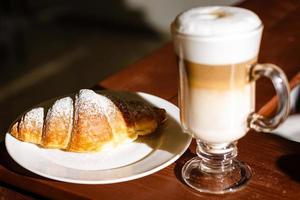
(143, 157)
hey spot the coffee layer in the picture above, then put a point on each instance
(218, 77)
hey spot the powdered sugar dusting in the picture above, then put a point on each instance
(107, 106)
(62, 108)
(93, 103)
(87, 102)
(34, 118)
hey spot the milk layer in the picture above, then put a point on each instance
(218, 116)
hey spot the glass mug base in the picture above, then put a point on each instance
(215, 183)
(216, 169)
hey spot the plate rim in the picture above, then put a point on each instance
(116, 180)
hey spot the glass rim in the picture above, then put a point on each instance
(245, 33)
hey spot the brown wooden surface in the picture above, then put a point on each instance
(275, 162)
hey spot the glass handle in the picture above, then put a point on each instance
(279, 80)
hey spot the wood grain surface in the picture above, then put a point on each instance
(275, 162)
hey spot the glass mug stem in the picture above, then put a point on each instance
(280, 82)
(216, 158)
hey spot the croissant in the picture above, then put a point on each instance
(89, 123)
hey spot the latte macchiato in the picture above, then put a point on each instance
(216, 48)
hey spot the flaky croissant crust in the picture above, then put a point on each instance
(88, 123)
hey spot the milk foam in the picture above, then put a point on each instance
(217, 35)
(216, 21)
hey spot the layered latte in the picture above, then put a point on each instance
(216, 50)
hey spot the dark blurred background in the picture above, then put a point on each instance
(54, 47)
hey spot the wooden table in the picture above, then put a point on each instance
(275, 162)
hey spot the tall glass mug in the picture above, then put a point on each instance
(217, 50)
